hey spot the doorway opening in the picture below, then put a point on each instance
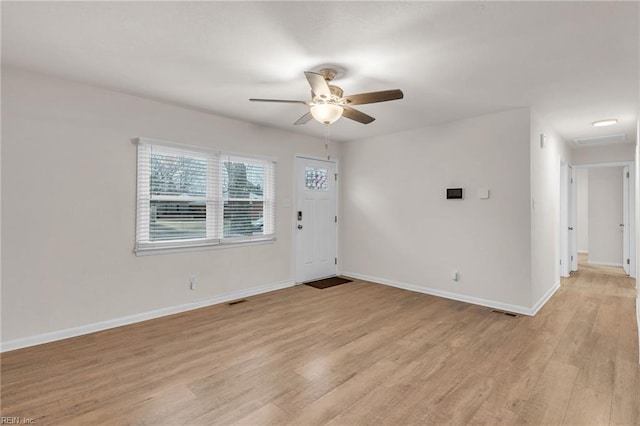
(603, 201)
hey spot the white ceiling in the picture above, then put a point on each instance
(574, 62)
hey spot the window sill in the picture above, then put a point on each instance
(151, 251)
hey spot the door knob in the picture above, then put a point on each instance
(570, 228)
(622, 224)
(299, 226)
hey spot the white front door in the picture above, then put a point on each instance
(315, 219)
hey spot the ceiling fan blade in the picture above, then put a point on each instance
(285, 101)
(373, 97)
(318, 84)
(356, 115)
(304, 118)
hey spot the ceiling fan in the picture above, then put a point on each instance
(327, 103)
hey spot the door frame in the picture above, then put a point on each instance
(631, 229)
(568, 248)
(565, 200)
(294, 204)
(626, 219)
(573, 219)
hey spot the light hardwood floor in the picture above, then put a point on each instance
(359, 353)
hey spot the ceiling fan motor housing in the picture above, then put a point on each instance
(336, 96)
(328, 73)
(335, 91)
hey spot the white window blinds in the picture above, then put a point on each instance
(247, 194)
(190, 197)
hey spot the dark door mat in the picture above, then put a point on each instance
(328, 282)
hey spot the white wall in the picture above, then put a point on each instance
(545, 207)
(613, 153)
(582, 187)
(636, 214)
(637, 219)
(399, 228)
(68, 207)
(1, 184)
(605, 215)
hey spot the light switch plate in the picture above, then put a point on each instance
(483, 193)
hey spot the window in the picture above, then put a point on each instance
(247, 193)
(192, 197)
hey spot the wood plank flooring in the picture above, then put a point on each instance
(358, 353)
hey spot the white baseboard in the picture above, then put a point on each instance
(130, 319)
(456, 296)
(544, 299)
(595, 262)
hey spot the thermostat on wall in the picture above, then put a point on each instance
(455, 193)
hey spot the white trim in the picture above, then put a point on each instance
(626, 217)
(573, 219)
(544, 299)
(583, 251)
(152, 251)
(563, 221)
(595, 262)
(632, 221)
(144, 316)
(632, 206)
(638, 317)
(456, 296)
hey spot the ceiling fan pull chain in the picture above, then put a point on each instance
(326, 142)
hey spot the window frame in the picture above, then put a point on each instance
(213, 199)
(234, 158)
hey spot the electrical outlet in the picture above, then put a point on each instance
(192, 282)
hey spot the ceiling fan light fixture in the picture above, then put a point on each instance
(328, 104)
(607, 122)
(326, 113)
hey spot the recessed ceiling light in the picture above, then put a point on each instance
(607, 122)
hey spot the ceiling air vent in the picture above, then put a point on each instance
(601, 140)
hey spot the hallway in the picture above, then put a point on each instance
(600, 343)
(584, 266)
